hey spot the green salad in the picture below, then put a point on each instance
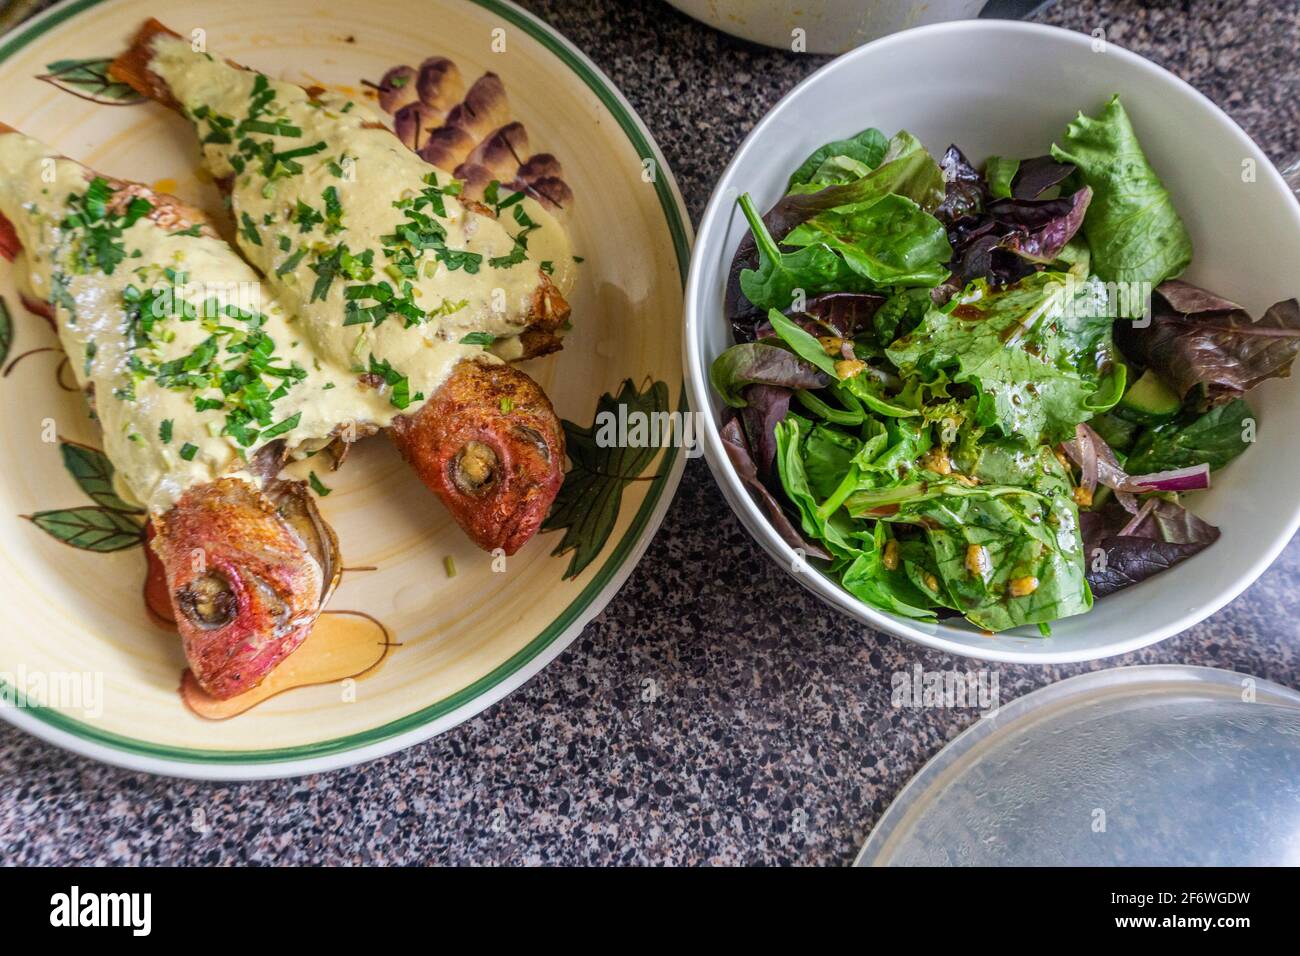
(984, 391)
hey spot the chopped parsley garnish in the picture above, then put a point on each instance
(249, 229)
(291, 263)
(270, 128)
(279, 428)
(165, 431)
(317, 485)
(306, 217)
(520, 251)
(333, 211)
(478, 338)
(399, 385)
(188, 451)
(97, 243)
(339, 261)
(492, 194)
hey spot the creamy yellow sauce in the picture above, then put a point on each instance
(343, 186)
(158, 441)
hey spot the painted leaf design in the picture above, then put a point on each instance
(588, 503)
(91, 528)
(89, 80)
(94, 473)
(6, 331)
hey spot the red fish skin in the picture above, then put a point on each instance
(499, 407)
(227, 535)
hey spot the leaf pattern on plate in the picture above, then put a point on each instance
(89, 80)
(6, 331)
(588, 503)
(110, 524)
(91, 528)
(94, 473)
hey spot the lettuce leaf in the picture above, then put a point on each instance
(1132, 226)
(1007, 344)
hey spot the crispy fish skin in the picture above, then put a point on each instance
(490, 446)
(244, 588)
(464, 415)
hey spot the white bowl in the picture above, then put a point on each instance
(1006, 88)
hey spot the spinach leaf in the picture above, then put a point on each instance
(867, 149)
(911, 173)
(900, 313)
(803, 343)
(890, 243)
(1214, 438)
(869, 578)
(780, 275)
(831, 526)
(1132, 226)
(1007, 555)
(827, 455)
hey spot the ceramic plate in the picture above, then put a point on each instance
(408, 649)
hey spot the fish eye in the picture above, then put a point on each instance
(474, 468)
(207, 601)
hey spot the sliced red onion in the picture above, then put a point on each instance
(1196, 478)
(1109, 473)
(1135, 522)
(1087, 459)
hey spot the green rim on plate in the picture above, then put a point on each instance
(611, 100)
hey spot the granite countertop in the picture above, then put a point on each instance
(773, 740)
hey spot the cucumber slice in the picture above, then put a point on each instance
(1149, 401)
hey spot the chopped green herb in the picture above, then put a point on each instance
(249, 229)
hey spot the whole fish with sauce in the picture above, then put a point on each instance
(391, 273)
(200, 384)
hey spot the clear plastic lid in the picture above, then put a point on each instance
(1133, 766)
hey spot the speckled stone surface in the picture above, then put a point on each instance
(773, 740)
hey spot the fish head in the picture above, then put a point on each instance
(244, 585)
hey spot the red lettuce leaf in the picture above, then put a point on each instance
(1037, 175)
(1168, 535)
(733, 440)
(1197, 338)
